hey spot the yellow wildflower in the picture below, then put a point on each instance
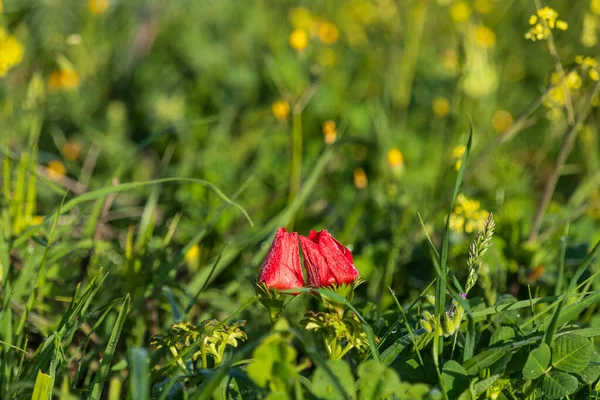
(543, 23)
(329, 132)
(395, 158)
(328, 33)
(11, 52)
(562, 25)
(586, 61)
(557, 94)
(56, 169)
(441, 106)
(595, 6)
(467, 215)
(98, 6)
(588, 64)
(63, 79)
(36, 220)
(301, 17)
(298, 39)
(192, 254)
(457, 154)
(589, 37)
(71, 150)
(501, 120)
(360, 178)
(281, 110)
(459, 151)
(460, 11)
(484, 36)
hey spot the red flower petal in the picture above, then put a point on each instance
(317, 269)
(339, 258)
(281, 268)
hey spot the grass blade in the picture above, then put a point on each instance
(102, 375)
(580, 270)
(43, 387)
(139, 385)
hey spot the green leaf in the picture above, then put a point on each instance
(502, 334)
(43, 387)
(111, 347)
(273, 364)
(591, 373)
(537, 362)
(571, 353)
(455, 379)
(483, 360)
(139, 384)
(323, 387)
(558, 384)
(377, 381)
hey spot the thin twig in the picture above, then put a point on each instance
(565, 150)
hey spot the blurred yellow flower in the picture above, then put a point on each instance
(395, 158)
(329, 132)
(545, 20)
(484, 36)
(36, 220)
(483, 6)
(501, 120)
(63, 79)
(588, 64)
(457, 154)
(298, 39)
(71, 150)
(98, 6)
(460, 11)
(595, 6)
(56, 169)
(301, 17)
(589, 37)
(557, 94)
(11, 52)
(328, 32)
(467, 215)
(192, 254)
(360, 178)
(281, 110)
(441, 106)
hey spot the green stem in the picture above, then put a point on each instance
(203, 353)
(296, 172)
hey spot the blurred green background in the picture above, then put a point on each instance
(344, 115)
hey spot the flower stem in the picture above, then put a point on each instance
(296, 172)
(203, 352)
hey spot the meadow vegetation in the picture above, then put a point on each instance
(336, 199)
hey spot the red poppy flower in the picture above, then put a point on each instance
(281, 268)
(327, 261)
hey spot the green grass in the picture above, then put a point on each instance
(144, 173)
